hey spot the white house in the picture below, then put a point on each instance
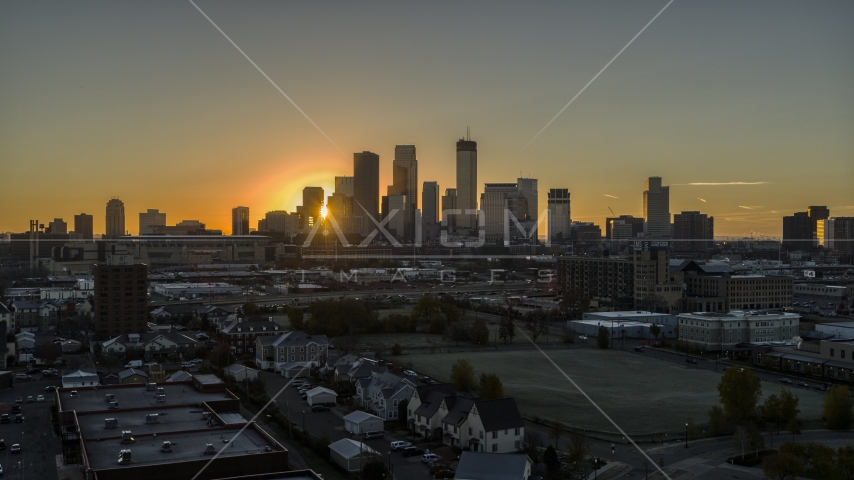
(381, 393)
(493, 466)
(349, 454)
(320, 396)
(493, 426)
(296, 346)
(80, 379)
(360, 422)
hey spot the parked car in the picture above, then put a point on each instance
(412, 451)
(19, 418)
(150, 364)
(691, 360)
(410, 373)
(196, 360)
(187, 365)
(134, 364)
(372, 435)
(4, 418)
(30, 399)
(429, 458)
(40, 398)
(21, 376)
(582, 337)
(19, 400)
(319, 408)
(202, 336)
(804, 384)
(34, 371)
(786, 381)
(399, 445)
(639, 349)
(16, 448)
(16, 409)
(178, 328)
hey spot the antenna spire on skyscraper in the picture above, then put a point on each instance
(468, 133)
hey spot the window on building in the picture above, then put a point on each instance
(494, 447)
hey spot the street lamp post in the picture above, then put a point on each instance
(686, 435)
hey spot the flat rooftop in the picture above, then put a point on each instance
(628, 313)
(168, 420)
(185, 447)
(134, 397)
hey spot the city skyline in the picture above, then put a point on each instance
(214, 134)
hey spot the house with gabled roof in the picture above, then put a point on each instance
(382, 393)
(272, 353)
(422, 412)
(240, 335)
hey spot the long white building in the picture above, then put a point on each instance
(723, 331)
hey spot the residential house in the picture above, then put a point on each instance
(272, 353)
(132, 375)
(80, 379)
(352, 368)
(25, 340)
(240, 335)
(493, 466)
(493, 426)
(86, 308)
(35, 315)
(381, 393)
(190, 311)
(150, 345)
(422, 412)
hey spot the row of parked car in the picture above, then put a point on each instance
(818, 386)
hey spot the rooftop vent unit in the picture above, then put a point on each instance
(150, 387)
(124, 456)
(74, 393)
(111, 422)
(209, 449)
(127, 436)
(166, 447)
(151, 418)
(133, 337)
(206, 415)
(161, 391)
(161, 398)
(114, 404)
(109, 397)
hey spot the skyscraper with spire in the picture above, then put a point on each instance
(466, 182)
(405, 182)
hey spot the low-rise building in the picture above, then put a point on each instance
(359, 422)
(351, 455)
(80, 379)
(132, 375)
(242, 373)
(150, 345)
(493, 426)
(320, 396)
(713, 331)
(35, 315)
(272, 353)
(422, 414)
(240, 335)
(498, 466)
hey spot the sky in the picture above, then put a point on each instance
(745, 108)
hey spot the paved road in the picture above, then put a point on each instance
(39, 447)
(331, 424)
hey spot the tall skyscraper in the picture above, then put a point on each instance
(495, 199)
(150, 219)
(693, 232)
(636, 225)
(115, 218)
(560, 218)
(83, 226)
(240, 221)
(366, 186)
(797, 231)
(430, 203)
(656, 208)
(817, 213)
(528, 189)
(58, 225)
(405, 182)
(281, 221)
(309, 211)
(449, 202)
(466, 182)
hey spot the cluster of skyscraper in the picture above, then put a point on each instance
(816, 228)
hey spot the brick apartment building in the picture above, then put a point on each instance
(240, 335)
(121, 299)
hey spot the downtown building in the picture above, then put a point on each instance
(501, 204)
(366, 190)
(656, 208)
(149, 220)
(560, 217)
(724, 331)
(115, 219)
(430, 212)
(466, 192)
(716, 288)
(693, 232)
(83, 226)
(240, 221)
(800, 230)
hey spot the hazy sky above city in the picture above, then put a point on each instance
(148, 102)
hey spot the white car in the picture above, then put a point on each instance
(582, 337)
(429, 458)
(410, 373)
(40, 398)
(399, 445)
(196, 360)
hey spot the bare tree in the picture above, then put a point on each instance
(579, 447)
(556, 431)
(742, 438)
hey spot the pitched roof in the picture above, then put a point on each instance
(237, 368)
(492, 466)
(431, 397)
(296, 338)
(499, 414)
(318, 390)
(458, 410)
(131, 372)
(4, 309)
(351, 449)
(179, 376)
(359, 416)
(254, 325)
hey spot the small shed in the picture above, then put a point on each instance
(320, 396)
(349, 454)
(208, 383)
(360, 422)
(71, 346)
(132, 375)
(294, 369)
(80, 379)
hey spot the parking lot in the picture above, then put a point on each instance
(39, 446)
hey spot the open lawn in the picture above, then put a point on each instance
(643, 395)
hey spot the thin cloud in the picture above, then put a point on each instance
(701, 199)
(752, 207)
(718, 184)
(610, 196)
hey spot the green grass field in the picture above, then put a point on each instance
(643, 395)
